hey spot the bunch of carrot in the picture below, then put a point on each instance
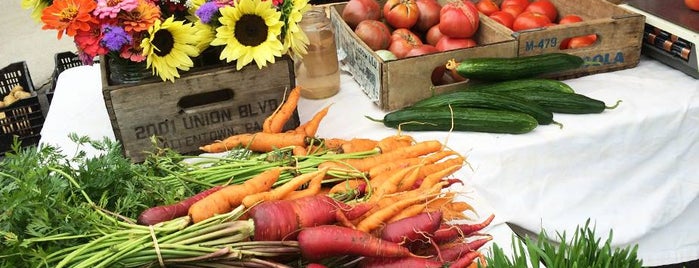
(351, 190)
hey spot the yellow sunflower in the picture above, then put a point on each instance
(250, 31)
(169, 46)
(294, 38)
(37, 7)
(205, 34)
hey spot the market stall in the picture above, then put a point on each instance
(631, 169)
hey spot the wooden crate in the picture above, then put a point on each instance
(399, 83)
(204, 105)
(619, 37)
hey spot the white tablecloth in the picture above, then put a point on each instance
(633, 170)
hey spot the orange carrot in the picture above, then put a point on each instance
(434, 178)
(346, 185)
(231, 196)
(391, 185)
(313, 188)
(283, 190)
(426, 160)
(364, 164)
(299, 151)
(376, 219)
(391, 143)
(279, 118)
(388, 167)
(311, 127)
(359, 145)
(333, 144)
(259, 142)
(409, 212)
(436, 167)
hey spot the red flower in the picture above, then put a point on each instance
(69, 16)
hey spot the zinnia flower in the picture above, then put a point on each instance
(111, 8)
(89, 41)
(250, 31)
(169, 46)
(140, 18)
(69, 16)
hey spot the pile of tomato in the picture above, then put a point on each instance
(413, 27)
(520, 15)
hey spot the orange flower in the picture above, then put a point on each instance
(140, 18)
(69, 16)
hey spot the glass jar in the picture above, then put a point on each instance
(123, 71)
(318, 71)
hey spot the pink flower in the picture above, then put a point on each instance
(111, 8)
(89, 41)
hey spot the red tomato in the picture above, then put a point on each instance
(401, 13)
(530, 20)
(450, 43)
(487, 7)
(514, 10)
(521, 3)
(543, 7)
(429, 14)
(581, 41)
(358, 10)
(503, 18)
(567, 19)
(374, 33)
(459, 19)
(402, 41)
(692, 4)
(421, 50)
(433, 35)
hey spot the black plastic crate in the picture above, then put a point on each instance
(22, 119)
(63, 60)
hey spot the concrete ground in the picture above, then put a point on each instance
(24, 40)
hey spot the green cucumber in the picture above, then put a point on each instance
(459, 119)
(567, 103)
(523, 84)
(488, 100)
(501, 69)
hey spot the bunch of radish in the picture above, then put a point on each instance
(405, 28)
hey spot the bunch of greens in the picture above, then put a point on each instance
(44, 198)
(583, 250)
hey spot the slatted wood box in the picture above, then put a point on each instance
(619, 37)
(203, 105)
(399, 83)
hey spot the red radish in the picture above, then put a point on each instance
(449, 232)
(168, 212)
(319, 242)
(412, 228)
(453, 251)
(403, 262)
(315, 265)
(465, 260)
(281, 219)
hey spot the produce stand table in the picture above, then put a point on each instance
(633, 170)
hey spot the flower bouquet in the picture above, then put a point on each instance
(165, 36)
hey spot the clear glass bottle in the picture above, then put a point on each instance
(318, 72)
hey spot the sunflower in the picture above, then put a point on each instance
(294, 38)
(250, 30)
(37, 6)
(69, 16)
(169, 46)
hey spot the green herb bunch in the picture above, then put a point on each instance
(583, 250)
(42, 211)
